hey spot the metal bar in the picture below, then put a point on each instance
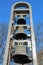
(7, 42)
(25, 26)
(21, 9)
(33, 40)
(21, 41)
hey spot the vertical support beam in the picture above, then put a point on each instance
(33, 40)
(8, 41)
(8, 58)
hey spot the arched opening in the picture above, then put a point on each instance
(23, 4)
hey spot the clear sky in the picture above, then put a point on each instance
(37, 10)
(6, 5)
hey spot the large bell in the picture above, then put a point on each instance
(20, 56)
(20, 36)
(21, 21)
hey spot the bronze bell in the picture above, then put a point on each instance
(20, 36)
(21, 21)
(20, 56)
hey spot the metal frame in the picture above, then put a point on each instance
(27, 11)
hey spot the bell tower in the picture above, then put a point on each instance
(20, 36)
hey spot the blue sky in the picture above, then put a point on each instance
(37, 10)
(6, 5)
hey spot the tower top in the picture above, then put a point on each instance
(18, 4)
